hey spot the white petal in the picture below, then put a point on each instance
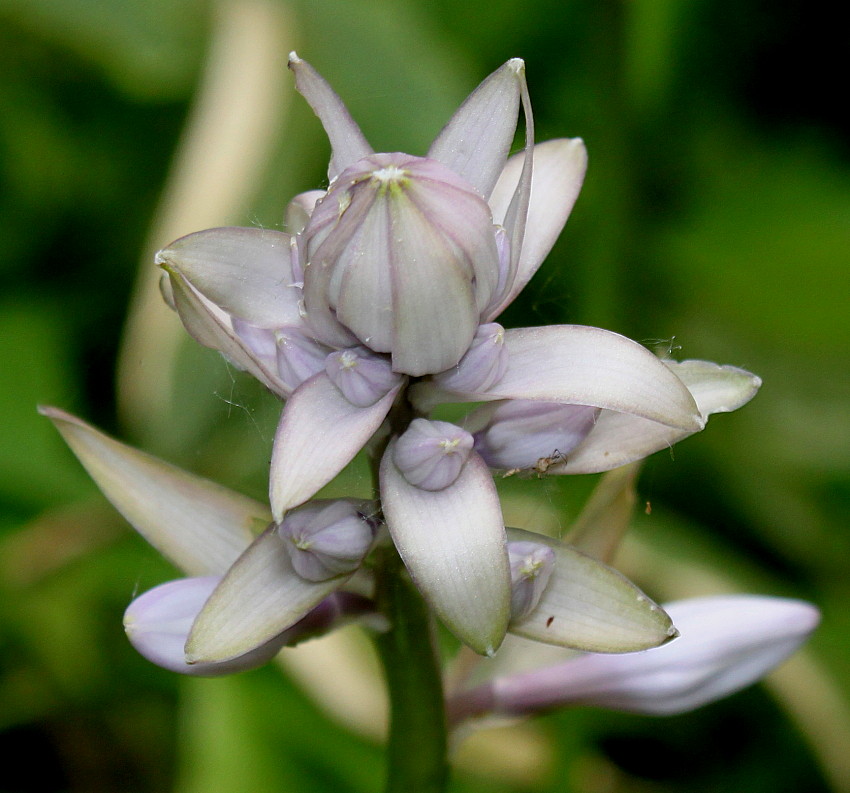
(346, 139)
(580, 365)
(589, 606)
(726, 644)
(210, 326)
(453, 543)
(259, 597)
(245, 271)
(158, 622)
(619, 438)
(478, 137)
(559, 169)
(319, 433)
(198, 525)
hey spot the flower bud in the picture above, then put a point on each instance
(298, 356)
(400, 254)
(430, 454)
(326, 538)
(726, 644)
(158, 622)
(521, 433)
(531, 565)
(362, 376)
(483, 364)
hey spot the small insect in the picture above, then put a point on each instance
(550, 621)
(540, 467)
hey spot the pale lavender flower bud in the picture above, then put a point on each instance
(531, 566)
(260, 341)
(362, 376)
(522, 433)
(298, 356)
(326, 538)
(158, 622)
(430, 454)
(483, 364)
(401, 253)
(726, 643)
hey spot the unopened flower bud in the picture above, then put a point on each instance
(483, 364)
(431, 454)
(362, 376)
(326, 538)
(531, 565)
(158, 622)
(521, 433)
(298, 356)
(401, 253)
(726, 643)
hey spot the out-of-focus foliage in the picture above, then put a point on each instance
(715, 220)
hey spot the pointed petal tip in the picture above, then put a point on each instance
(517, 64)
(293, 59)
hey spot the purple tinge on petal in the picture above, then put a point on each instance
(531, 565)
(726, 643)
(259, 341)
(158, 622)
(483, 364)
(298, 357)
(402, 254)
(431, 454)
(520, 433)
(361, 375)
(327, 538)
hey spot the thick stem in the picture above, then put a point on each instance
(416, 749)
(417, 744)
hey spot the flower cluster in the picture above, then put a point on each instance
(377, 305)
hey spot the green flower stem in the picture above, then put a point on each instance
(416, 749)
(417, 742)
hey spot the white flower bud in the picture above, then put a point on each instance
(298, 356)
(326, 538)
(362, 376)
(520, 433)
(531, 565)
(430, 454)
(483, 364)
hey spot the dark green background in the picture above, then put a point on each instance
(715, 219)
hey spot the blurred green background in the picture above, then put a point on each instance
(715, 222)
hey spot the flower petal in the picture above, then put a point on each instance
(726, 644)
(589, 606)
(559, 169)
(259, 598)
(478, 137)
(453, 543)
(319, 433)
(210, 326)
(347, 141)
(158, 622)
(245, 271)
(580, 365)
(198, 525)
(619, 438)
